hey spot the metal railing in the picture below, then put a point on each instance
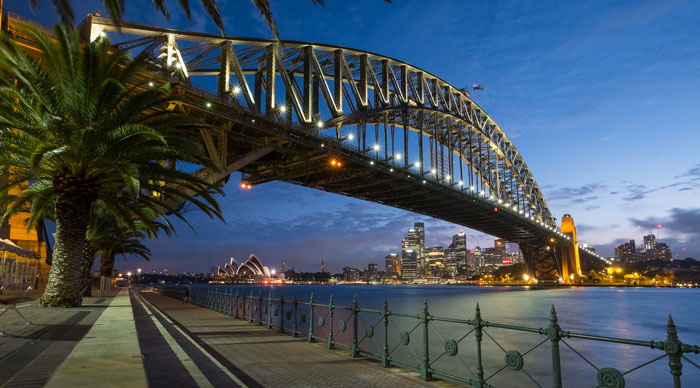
(415, 341)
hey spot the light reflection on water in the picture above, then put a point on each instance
(630, 313)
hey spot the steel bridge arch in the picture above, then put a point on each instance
(368, 84)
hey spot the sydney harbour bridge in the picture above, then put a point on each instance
(354, 123)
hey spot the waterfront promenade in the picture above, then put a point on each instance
(147, 339)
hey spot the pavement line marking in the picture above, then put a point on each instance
(188, 363)
(201, 349)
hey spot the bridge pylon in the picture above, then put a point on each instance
(568, 253)
(554, 260)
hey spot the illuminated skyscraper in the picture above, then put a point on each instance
(324, 267)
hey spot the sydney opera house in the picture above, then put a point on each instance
(249, 269)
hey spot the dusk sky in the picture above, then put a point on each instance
(602, 99)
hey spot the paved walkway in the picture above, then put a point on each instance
(259, 357)
(30, 354)
(149, 340)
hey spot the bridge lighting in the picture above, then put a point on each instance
(283, 108)
(482, 192)
(376, 147)
(495, 209)
(447, 177)
(423, 180)
(103, 34)
(371, 162)
(526, 277)
(471, 188)
(319, 124)
(178, 65)
(398, 156)
(208, 104)
(333, 162)
(236, 89)
(500, 201)
(461, 183)
(351, 136)
(151, 84)
(552, 240)
(391, 170)
(416, 164)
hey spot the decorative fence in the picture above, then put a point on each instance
(415, 341)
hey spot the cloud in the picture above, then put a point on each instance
(575, 195)
(682, 226)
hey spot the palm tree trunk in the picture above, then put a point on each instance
(88, 261)
(73, 204)
(106, 265)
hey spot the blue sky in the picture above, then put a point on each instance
(600, 97)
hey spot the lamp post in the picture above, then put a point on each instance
(139, 276)
(128, 278)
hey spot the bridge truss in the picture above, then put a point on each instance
(354, 123)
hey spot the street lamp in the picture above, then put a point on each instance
(139, 271)
(128, 277)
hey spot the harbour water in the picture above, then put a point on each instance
(629, 313)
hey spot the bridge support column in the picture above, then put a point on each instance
(542, 263)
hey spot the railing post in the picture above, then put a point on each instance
(553, 334)
(331, 345)
(237, 316)
(385, 349)
(230, 302)
(260, 309)
(672, 346)
(243, 312)
(269, 310)
(354, 349)
(281, 311)
(295, 333)
(425, 373)
(311, 319)
(478, 335)
(251, 300)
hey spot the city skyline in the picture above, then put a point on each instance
(583, 106)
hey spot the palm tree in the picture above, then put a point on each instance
(107, 237)
(82, 129)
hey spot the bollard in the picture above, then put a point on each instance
(311, 319)
(385, 363)
(553, 334)
(425, 373)
(354, 349)
(331, 345)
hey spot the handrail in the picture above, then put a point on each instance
(366, 332)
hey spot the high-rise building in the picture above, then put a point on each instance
(626, 253)
(649, 242)
(324, 267)
(351, 274)
(457, 255)
(499, 248)
(390, 264)
(372, 270)
(283, 267)
(415, 242)
(663, 252)
(409, 261)
(435, 262)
